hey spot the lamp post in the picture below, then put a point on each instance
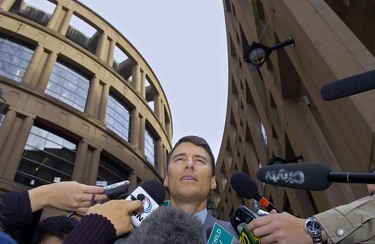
(258, 53)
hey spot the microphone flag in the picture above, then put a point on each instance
(245, 236)
(221, 235)
(149, 206)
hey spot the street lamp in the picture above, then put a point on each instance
(258, 53)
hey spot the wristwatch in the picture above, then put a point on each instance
(313, 228)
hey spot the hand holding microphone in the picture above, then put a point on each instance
(118, 212)
(152, 194)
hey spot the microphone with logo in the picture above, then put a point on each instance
(239, 220)
(218, 234)
(349, 86)
(247, 188)
(168, 224)
(309, 176)
(152, 194)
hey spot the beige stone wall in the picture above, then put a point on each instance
(284, 97)
(28, 103)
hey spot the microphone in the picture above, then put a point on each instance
(309, 176)
(247, 188)
(239, 220)
(168, 225)
(116, 190)
(152, 194)
(220, 235)
(348, 86)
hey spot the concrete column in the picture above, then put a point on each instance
(94, 167)
(135, 127)
(162, 113)
(53, 21)
(6, 138)
(48, 67)
(133, 181)
(103, 103)
(111, 52)
(142, 127)
(18, 147)
(159, 155)
(168, 128)
(136, 77)
(102, 47)
(142, 84)
(65, 22)
(6, 4)
(80, 162)
(93, 98)
(33, 65)
(157, 107)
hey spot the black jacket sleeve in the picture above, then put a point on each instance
(15, 210)
(92, 228)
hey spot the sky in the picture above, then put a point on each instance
(184, 42)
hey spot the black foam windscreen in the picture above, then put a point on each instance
(155, 189)
(348, 86)
(306, 176)
(244, 185)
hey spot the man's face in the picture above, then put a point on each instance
(189, 177)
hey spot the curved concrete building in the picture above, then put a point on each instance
(81, 102)
(275, 111)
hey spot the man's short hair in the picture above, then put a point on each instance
(198, 141)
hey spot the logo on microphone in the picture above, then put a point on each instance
(147, 205)
(283, 175)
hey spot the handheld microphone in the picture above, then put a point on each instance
(247, 188)
(152, 194)
(349, 86)
(309, 176)
(168, 225)
(239, 220)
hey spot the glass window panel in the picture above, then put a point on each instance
(150, 148)
(14, 58)
(64, 83)
(113, 119)
(110, 171)
(46, 156)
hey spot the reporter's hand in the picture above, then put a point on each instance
(65, 195)
(279, 228)
(118, 212)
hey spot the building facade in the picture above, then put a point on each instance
(275, 111)
(81, 102)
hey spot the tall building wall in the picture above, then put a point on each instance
(276, 110)
(75, 110)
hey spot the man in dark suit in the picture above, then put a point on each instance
(191, 177)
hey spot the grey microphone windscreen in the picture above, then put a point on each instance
(348, 86)
(168, 225)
